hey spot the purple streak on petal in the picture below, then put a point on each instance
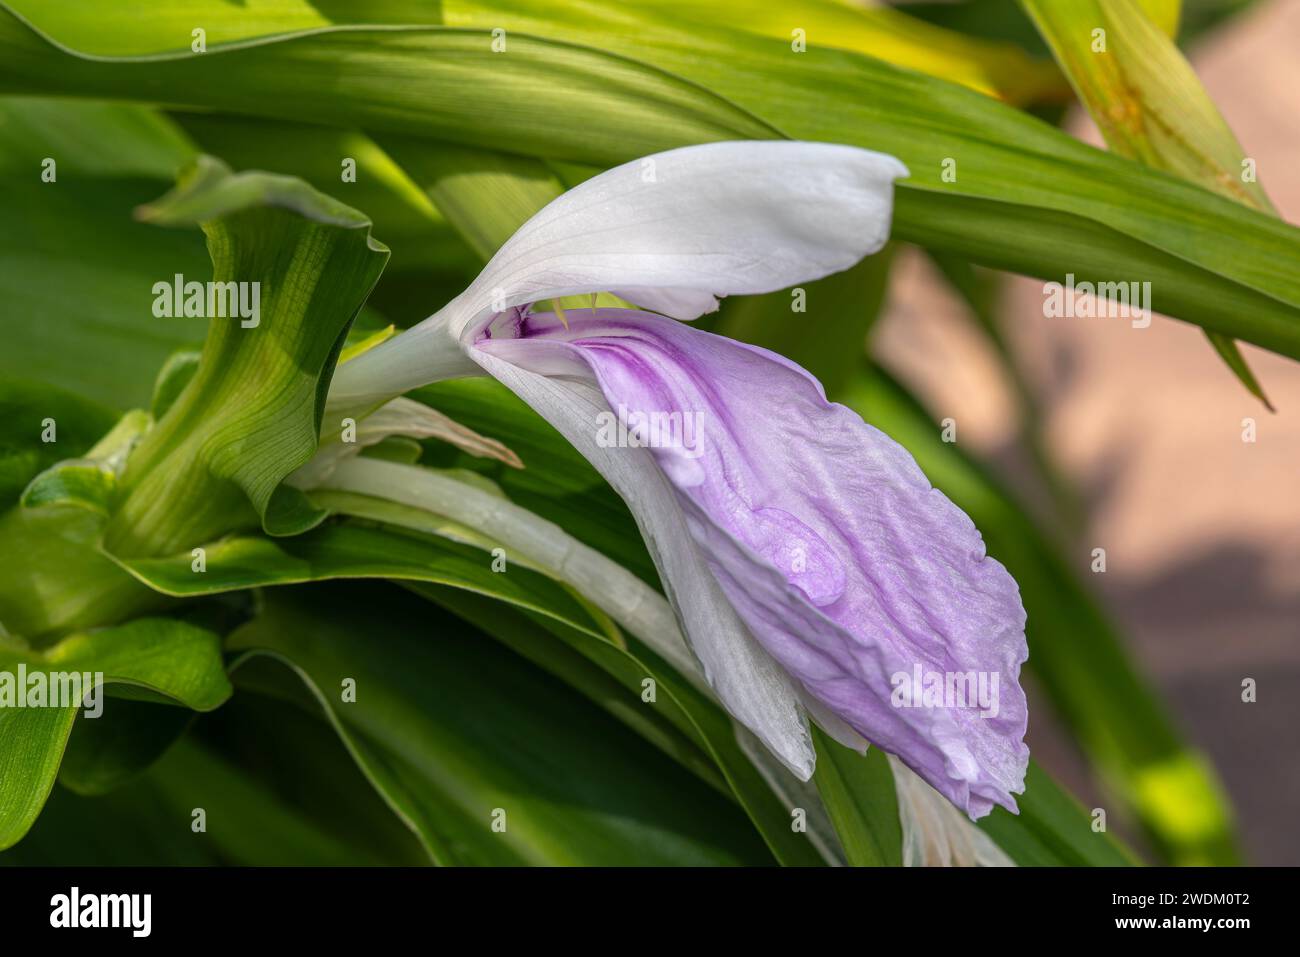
(847, 566)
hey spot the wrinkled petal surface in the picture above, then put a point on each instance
(823, 534)
(754, 688)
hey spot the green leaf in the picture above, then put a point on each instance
(486, 195)
(52, 576)
(29, 411)
(252, 411)
(653, 106)
(1051, 830)
(355, 549)
(997, 69)
(89, 482)
(156, 656)
(707, 730)
(78, 269)
(457, 730)
(79, 484)
(1149, 105)
(590, 104)
(420, 238)
(250, 820)
(130, 737)
(859, 793)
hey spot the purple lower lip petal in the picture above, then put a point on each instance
(842, 560)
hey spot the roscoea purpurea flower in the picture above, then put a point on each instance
(809, 561)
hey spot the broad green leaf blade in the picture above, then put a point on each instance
(962, 227)
(590, 105)
(53, 578)
(486, 195)
(1001, 155)
(458, 732)
(75, 291)
(250, 820)
(695, 716)
(88, 482)
(76, 484)
(103, 754)
(858, 790)
(299, 265)
(994, 68)
(433, 82)
(351, 166)
(1165, 14)
(119, 141)
(171, 25)
(159, 656)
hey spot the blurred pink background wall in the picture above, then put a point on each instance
(1201, 529)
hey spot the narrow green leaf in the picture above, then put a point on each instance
(1052, 830)
(354, 549)
(1149, 105)
(859, 793)
(593, 105)
(997, 69)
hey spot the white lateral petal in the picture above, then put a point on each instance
(935, 833)
(749, 683)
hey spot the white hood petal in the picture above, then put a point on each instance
(673, 231)
(670, 232)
